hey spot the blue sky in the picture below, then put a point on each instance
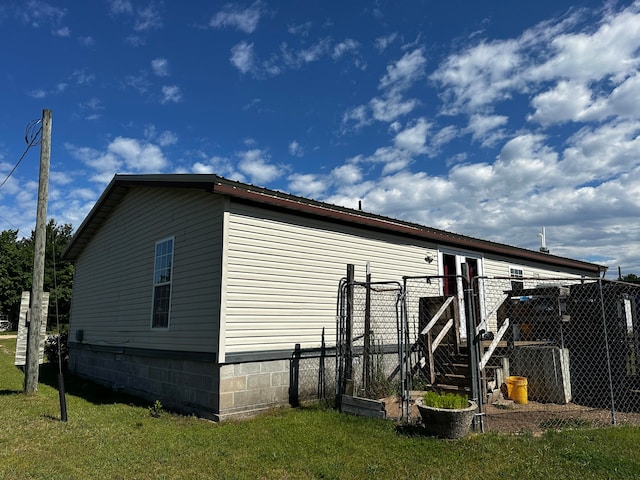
(489, 119)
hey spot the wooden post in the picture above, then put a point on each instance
(32, 367)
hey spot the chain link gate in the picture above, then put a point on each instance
(368, 342)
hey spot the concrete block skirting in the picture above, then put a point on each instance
(188, 386)
(198, 384)
(249, 388)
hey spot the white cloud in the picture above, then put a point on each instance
(356, 117)
(167, 138)
(347, 46)
(245, 20)
(118, 7)
(62, 32)
(480, 75)
(138, 156)
(609, 51)
(295, 149)
(122, 155)
(399, 77)
(140, 83)
(382, 43)
(307, 185)
(160, 67)
(81, 77)
(242, 57)
(413, 139)
(389, 108)
(255, 164)
(624, 100)
(300, 29)
(148, 18)
(87, 41)
(171, 94)
(405, 72)
(38, 93)
(91, 109)
(217, 165)
(483, 128)
(347, 174)
(38, 13)
(295, 59)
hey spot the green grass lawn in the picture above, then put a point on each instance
(109, 436)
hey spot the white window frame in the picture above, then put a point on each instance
(162, 282)
(516, 274)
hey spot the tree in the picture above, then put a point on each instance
(631, 278)
(16, 271)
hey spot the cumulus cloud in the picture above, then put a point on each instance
(255, 165)
(308, 185)
(122, 155)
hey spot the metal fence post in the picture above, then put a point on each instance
(294, 377)
(607, 353)
(348, 367)
(472, 342)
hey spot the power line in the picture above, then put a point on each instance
(2, 218)
(32, 137)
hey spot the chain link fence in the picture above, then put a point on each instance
(374, 322)
(548, 353)
(568, 354)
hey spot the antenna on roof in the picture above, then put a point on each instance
(543, 240)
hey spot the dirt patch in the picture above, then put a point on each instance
(534, 417)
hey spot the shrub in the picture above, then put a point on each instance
(51, 348)
(449, 401)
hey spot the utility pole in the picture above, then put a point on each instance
(32, 367)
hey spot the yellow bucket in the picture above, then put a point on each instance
(517, 389)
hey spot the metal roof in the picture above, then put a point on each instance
(120, 184)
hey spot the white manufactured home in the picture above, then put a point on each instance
(195, 290)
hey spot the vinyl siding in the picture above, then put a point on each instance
(113, 283)
(283, 272)
(499, 267)
(497, 282)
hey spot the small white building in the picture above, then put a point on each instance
(194, 289)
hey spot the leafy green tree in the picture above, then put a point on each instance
(631, 278)
(11, 272)
(16, 271)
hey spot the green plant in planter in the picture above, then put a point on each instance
(449, 401)
(446, 415)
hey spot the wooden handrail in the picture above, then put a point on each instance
(437, 316)
(494, 344)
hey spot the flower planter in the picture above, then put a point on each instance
(448, 423)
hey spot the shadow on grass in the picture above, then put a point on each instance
(9, 392)
(412, 431)
(86, 389)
